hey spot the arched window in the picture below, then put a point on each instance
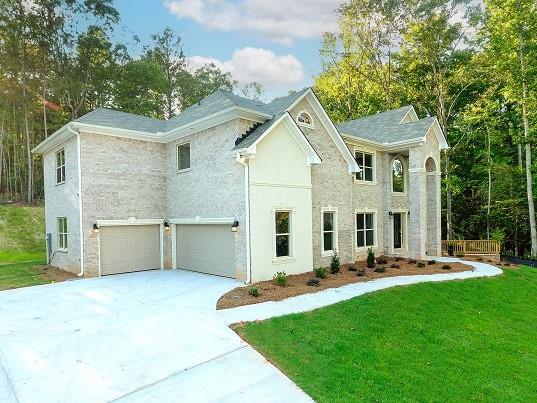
(398, 176)
(304, 119)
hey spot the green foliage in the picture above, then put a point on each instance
(380, 269)
(431, 262)
(254, 292)
(313, 282)
(22, 233)
(382, 260)
(334, 263)
(421, 265)
(280, 278)
(446, 267)
(320, 272)
(370, 258)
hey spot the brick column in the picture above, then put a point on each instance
(417, 197)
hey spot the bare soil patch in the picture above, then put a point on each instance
(296, 284)
(53, 274)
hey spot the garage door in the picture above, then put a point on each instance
(206, 248)
(128, 248)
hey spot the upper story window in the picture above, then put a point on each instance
(183, 157)
(329, 232)
(60, 166)
(283, 233)
(398, 176)
(365, 162)
(62, 233)
(304, 119)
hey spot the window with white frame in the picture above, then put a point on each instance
(283, 233)
(365, 229)
(329, 231)
(365, 162)
(62, 233)
(398, 176)
(183, 156)
(304, 119)
(60, 166)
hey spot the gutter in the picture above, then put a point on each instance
(77, 134)
(241, 161)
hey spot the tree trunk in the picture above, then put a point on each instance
(489, 163)
(30, 173)
(529, 179)
(449, 227)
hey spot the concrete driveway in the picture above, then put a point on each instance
(141, 337)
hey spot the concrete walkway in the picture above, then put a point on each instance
(141, 337)
(308, 302)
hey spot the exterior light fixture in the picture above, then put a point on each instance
(96, 228)
(235, 226)
(166, 226)
(390, 213)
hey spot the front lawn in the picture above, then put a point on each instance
(453, 341)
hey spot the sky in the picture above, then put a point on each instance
(275, 43)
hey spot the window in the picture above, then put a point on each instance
(329, 231)
(62, 233)
(365, 162)
(304, 119)
(183, 156)
(398, 176)
(365, 230)
(60, 166)
(283, 233)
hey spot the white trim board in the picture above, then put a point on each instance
(203, 220)
(129, 221)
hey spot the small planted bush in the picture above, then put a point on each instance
(380, 269)
(382, 260)
(280, 278)
(320, 272)
(430, 262)
(446, 267)
(313, 282)
(395, 266)
(459, 254)
(360, 272)
(353, 267)
(370, 258)
(334, 264)
(450, 250)
(421, 264)
(254, 292)
(412, 261)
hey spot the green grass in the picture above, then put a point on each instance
(455, 341)
(22, 246)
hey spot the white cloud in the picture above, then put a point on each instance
(260, 65)
(280, 22)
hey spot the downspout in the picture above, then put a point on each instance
(77, 133)
(241, 161)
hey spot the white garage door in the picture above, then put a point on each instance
(128, 248)
(206, 248)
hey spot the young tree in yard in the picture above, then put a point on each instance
(511, 26)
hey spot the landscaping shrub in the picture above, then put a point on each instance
(421, 264)
(313, 282)
(430, 262)
(254, 292)
(459, 254)
(360, 272)
(395, 266)
(370, 258)
(450, 250)
(380, 269)
(334, 264)
(382, 260)
(353, 267)
(412, 261)
(280, 278)
(446, 267)
(320, 272)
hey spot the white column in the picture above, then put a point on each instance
(417, 188)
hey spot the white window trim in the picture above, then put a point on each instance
(309, 126)
(375, 230)
(60, 166)
(373, 153)
(329, 209)
(291, 257)
(405, 175)
(177, 156)
(60, 234)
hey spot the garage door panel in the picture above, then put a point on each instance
(206, 248)
(128, 248)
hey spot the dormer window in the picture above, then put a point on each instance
(304, 119)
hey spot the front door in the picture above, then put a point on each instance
(397, 230)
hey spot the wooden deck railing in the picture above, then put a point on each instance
(473, 247)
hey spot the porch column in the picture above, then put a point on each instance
(417, 197)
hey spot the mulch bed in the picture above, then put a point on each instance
(53, 274)
(296, 284)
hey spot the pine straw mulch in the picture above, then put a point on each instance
(296, 284)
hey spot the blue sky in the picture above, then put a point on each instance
(272, 42)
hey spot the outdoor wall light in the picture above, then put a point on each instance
(390, 213)
(96, 228)
(235, 226)
(166, 226)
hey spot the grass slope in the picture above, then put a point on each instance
(453, 341)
